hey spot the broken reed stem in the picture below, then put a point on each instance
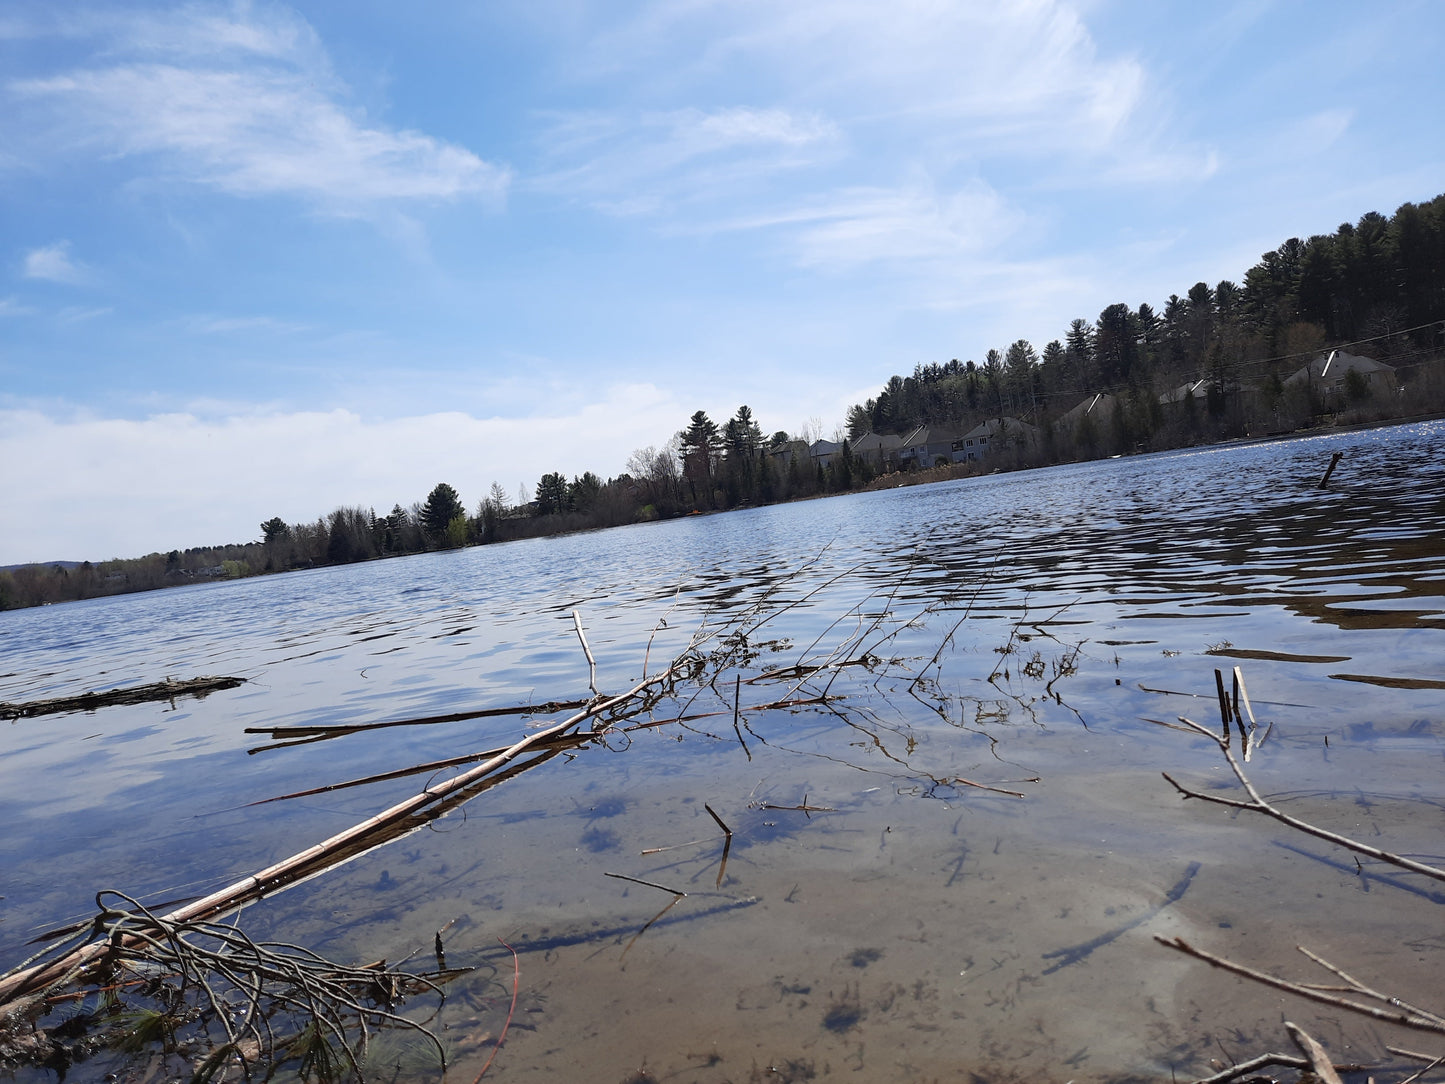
(737, 715)
(516, 985)
(646, 884)
(1257, 804)
(713, 814)
(985, 786)
(586, 650)
(327, 730)
(722, 867)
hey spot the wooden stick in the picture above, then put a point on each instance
(1404, 1018)
(1319, 1061)
(586, 650)
(417, 769)
(330, 729)
(1260, 1062)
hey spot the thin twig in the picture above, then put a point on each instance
(516, 984)
(1402, 1017)
(586, 650)
(648, 884)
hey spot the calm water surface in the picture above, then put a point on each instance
(1025, 631)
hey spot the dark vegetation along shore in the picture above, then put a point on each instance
(1340, 329)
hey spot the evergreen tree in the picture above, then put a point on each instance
(442, 506)
(700, 445)
(551, 498)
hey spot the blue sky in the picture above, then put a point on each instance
(265, 259)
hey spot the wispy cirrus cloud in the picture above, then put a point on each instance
(1000, 72)
(912, 223)
(12, 306)
(239, 100)
(901, 137)
(231, 325)
(658, 160)
(53, 263)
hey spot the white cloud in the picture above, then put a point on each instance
(53, 263)
(230, 325)
(979, 107)
(95, 488)
(244, 103)
(652, 162)
(911, 224)
(75, 314)
(10, 306)
(1006, 69)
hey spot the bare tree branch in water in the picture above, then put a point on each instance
(1348, 994)
(1258, 804)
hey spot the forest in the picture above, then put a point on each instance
(1376, 288)
(1215, 364)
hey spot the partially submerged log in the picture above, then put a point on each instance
(198, 687)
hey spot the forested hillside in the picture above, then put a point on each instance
(1377, 287)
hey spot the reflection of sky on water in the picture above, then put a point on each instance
(1146, 573)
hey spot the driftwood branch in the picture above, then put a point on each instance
(135, 694)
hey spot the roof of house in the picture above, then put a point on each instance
(995, 428)
(875, 442)
(1335, 365)
(1092, 406)
(1195, 388)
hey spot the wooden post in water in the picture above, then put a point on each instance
(1334, 462)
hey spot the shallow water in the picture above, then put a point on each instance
(1022, 631)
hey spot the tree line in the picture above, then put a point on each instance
(1377, 287)
(704, 467)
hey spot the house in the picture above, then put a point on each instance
(880, 452)
(1196, 389)
(928, 445)
(1097, 409)
(995, 436)
(783, 454)
(1327, 375)
(821, 452)
(913, 449)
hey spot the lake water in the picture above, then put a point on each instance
(877, 917)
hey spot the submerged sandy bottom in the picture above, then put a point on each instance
(899, 936)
